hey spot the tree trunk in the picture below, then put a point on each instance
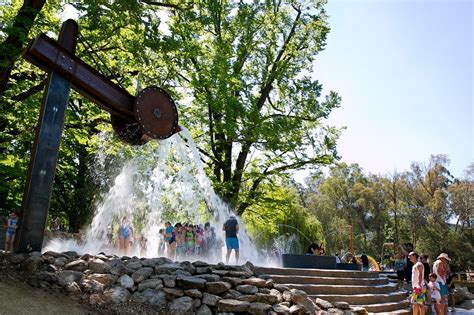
(10, 49)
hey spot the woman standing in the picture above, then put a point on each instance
(125, 234)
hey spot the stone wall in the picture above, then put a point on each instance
(162, 285)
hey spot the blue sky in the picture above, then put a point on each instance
(404, 71)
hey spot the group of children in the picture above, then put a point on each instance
(186, 240)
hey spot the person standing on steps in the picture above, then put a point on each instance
(12, 225)
(231, 228)
(440, 268)
(418, 285)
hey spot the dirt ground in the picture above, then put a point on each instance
(20, 298)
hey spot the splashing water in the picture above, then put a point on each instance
(164, 181)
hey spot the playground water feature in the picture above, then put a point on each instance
(166, 181)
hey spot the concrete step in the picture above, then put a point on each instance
(315, 272)
(363, 299)
(390, 307)
(328, 280)
(343, 289)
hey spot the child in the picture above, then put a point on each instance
(12, 225)
(435, 293)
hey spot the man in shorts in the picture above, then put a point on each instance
(231, 228)
(440, 268)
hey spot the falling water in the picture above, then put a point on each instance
(164, 182)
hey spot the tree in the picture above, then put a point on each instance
(243, 69)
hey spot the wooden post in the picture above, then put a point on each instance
(42, 168)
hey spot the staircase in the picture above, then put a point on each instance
(358, 288)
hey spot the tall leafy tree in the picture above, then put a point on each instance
(242, 69)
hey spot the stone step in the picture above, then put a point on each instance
(404, 311)
(328, 280)
(343, 289)
(401, 307)
(316, 272)
(363, 299)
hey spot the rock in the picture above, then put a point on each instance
(49, 268)
(264, 290)
(138, 297)
(269, 283)
(323, 304)
(247, 289)
(73, 288)
(61, 261)
(35, 254)
(99, 266)
(467, 304)
(68, 276)
(142, 274)
(70, 254)
(287, 304)
(259, 283)
(46, 276)
(359, 310)
(298, 310)
(126, 281)
(210, 299)
(342, 305)
(169, 268)
(278, 295)
(209, 277)
(119, 295)
(182, 305)
(266, 298)
(153, 262)
(187, 266)
(155, 298)
(234, 306)
(203, 270)
(335, 311)
(239, 274)
(133, 266)
(194, 293)
(196, 303)
(281, 287)
(106, 279)
(232, 294)
(232, 280)
(169, 280)
(247, 298)
(281, 309)
(76, 265)
(309, 305)
(190, 282)
(118, 270)
(199, 263)
(173, 292)
(154, 284)
(31, 264)
(218, 287)
(204, 310)
(259, 308)
(96, 299)
(298, 295)
(18, 258)
(92, 286)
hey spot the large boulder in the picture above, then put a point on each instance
(194, 293)
(106, 279)
(153, 262)
(267, 298)
(168, 268)
(155, 298)
(168, 280)
(259, 283)
(117, 295)
(204, 310)
(209, 277)
(92, 286)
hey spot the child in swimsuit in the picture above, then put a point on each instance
(12, 225)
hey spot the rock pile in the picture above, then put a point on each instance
(167, 287)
